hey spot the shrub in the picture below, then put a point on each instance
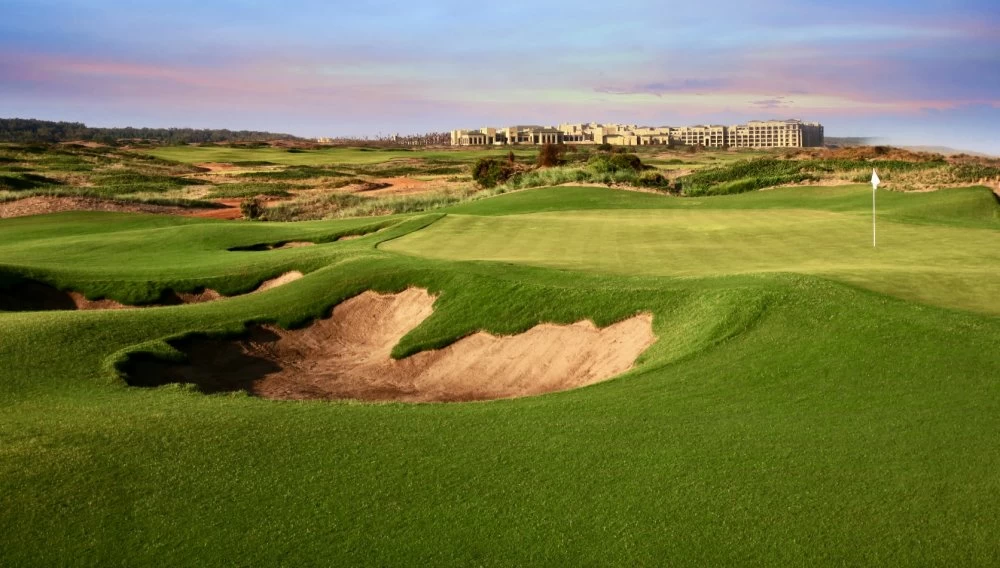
(974, 172)
(611, 163)
(550, 155)
(653, 179)
(252, 208)
(489, 172)
(605, 147)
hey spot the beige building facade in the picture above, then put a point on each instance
(754, 134)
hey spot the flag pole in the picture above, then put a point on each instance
(875, 182)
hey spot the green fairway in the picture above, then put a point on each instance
(809, 401)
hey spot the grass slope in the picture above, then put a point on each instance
(780, 418)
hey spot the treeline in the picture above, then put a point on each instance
(32, 130)
(427, 139)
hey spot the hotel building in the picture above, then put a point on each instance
(754, 134)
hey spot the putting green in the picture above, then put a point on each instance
(955, 266)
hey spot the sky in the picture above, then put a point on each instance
(913, 72)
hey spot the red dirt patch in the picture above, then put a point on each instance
(229, 210)
(347, 356)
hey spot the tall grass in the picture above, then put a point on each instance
(120, 182)
(293, 173)
(251, 189)
(340, 205)
(749, 175)
(97, 193)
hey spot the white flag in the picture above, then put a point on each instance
(875, 180)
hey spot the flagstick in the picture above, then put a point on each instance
(873, 218)
(875, 182)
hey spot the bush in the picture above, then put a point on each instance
(490, 172)
(974, 172)
(252, 208)
(605, 147)
(550, 155)
(653, 179)
(611, 163)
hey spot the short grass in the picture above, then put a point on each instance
(782, 418)
(955, 266)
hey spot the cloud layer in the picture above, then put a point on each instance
(916, 72)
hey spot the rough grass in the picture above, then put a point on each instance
(781, 419)
(918, 172)
(323, 156)
(122, 182)
(68, 170)
(25, 181)
(250, 189)
(341, 205)
(293, 173)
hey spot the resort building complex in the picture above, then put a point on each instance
(754, 134)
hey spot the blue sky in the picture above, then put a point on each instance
(920, 72)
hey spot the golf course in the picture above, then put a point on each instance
(731, 380)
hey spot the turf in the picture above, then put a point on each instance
(783, 418)
(942, 264)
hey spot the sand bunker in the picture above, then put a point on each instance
(279, 281)
(347, 356)
(31, 295)
(268, 246)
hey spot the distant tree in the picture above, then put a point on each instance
(550, 155)
(32, 130)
